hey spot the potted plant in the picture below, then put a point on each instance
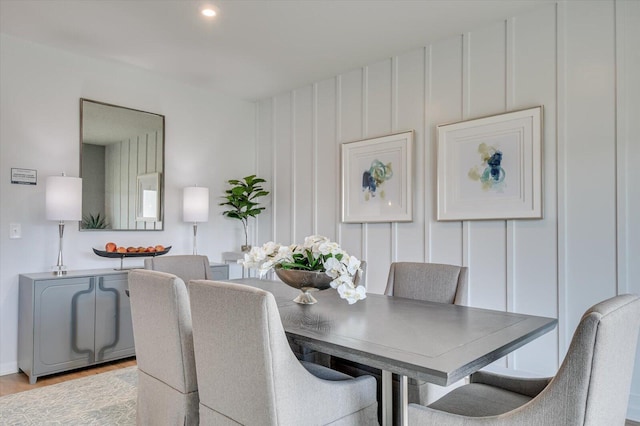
(94, 222)
(241, 199)
(318, 263)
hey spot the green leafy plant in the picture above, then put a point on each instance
(94, 222)
(241, 199)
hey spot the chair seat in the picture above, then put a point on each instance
(325, 373)
(479, 400)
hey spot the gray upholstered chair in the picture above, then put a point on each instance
(248, 375)
(590, 388)
(161, 315)
(186, 266)
(432, 282)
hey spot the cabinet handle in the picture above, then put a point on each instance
(117, 324)
(74, 322)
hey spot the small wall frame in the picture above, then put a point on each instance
(491, 167)
(148, 198)
(376, 179)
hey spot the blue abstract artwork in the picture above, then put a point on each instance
(489, 173)
(374, 177)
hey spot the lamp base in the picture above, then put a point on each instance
(59, 270)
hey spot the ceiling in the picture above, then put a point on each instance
(253, 48)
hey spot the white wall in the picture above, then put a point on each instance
(207, 136)
(578, 59)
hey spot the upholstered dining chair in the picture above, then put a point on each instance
(590, 388)
(186, 266)
(432, 282)
(161, 316)
(248, 375)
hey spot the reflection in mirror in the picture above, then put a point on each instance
(121, 164)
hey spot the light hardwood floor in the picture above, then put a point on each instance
(19, 382)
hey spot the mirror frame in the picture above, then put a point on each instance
(161, 175)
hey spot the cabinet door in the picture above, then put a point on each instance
(63, 324)
(113, 330)
(219, 272)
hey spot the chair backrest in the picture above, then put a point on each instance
(432, 282)
(593, 383)
(161, 318)
(187, 267)
(243, 358)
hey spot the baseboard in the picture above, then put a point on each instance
(633, 411)
(8, 368)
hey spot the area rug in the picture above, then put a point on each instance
(103, 399)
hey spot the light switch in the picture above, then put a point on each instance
(15, 230)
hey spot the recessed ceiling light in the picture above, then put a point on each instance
(208, 12)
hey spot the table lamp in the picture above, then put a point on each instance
(63, 201)
(195, 208)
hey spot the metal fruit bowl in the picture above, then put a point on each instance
(121, 256)
(116, 255)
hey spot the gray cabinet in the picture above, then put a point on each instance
(219, 271)
(71, 321)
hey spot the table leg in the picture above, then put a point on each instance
(403, 400)
(387, 398)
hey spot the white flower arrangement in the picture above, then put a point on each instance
(318, 253)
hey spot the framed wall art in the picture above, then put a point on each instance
(491, 167)
(148, 198)
(376, 179)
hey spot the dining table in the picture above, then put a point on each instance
(436, 342)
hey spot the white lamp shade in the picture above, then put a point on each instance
(63, 198)
(195, 206)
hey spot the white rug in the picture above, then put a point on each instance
(103, 399)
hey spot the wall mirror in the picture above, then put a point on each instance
(121, 165)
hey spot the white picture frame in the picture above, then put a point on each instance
(491, 167)
(148, 197)
(376, 179)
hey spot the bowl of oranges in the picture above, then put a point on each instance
(115, 251)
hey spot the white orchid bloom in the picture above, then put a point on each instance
(266, 267)
(313, 241)
(352, 295)
(344, 280)
(329, 247)
(270, 248)
(250, 259)
(333, 267)
(342, 272)
(352, 263)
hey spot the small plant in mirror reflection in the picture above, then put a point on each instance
(94, 222)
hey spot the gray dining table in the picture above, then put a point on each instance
(436, 342)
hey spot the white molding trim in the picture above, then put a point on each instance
(8, 368)
(633, 410)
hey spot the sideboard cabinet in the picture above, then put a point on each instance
(76, 320)
(71, 321)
